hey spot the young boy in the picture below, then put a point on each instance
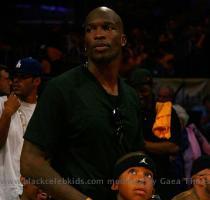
(134, 177)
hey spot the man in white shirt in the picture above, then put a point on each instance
(15, 113)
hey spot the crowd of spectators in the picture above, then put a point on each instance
(174, 47)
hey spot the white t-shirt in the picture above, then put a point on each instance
(10, 186)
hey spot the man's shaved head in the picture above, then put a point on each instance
(104, 12)
(104, 37)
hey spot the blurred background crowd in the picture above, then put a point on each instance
(169, 38)
(168, 41)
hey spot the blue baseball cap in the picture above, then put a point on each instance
(27, 66)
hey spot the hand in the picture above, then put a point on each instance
(12, 104)
(41, 196)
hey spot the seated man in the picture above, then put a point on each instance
(200, 179)
(164, 148)
(134, 177)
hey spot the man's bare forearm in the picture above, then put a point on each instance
(51, 182)
(35, 167)
(161, 147)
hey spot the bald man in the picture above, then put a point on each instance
(86, 119)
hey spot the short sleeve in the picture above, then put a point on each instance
(46, 122)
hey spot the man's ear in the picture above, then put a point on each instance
(123, 40)
(37, 81)
(115, 186)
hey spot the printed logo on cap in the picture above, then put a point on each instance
(18, 64)
(143, 161)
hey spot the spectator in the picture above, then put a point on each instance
(200, 179)
(15, 112)
(86, 118)
(5, 82)
(160, 147)
(166, 93)
(204, 116)
(134, 177)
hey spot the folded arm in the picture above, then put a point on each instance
(161, 147)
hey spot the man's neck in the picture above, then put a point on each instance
(32, 99)
(107, 75)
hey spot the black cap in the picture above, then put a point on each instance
(203, 162)
(134, 159)
(139, 77)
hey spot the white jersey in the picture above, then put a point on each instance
(10, 186)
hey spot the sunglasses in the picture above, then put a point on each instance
(118, 124)
(22, 76)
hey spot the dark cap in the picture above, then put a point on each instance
(139, 77)
(134, 159)
(203, 162)
(28, 65)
